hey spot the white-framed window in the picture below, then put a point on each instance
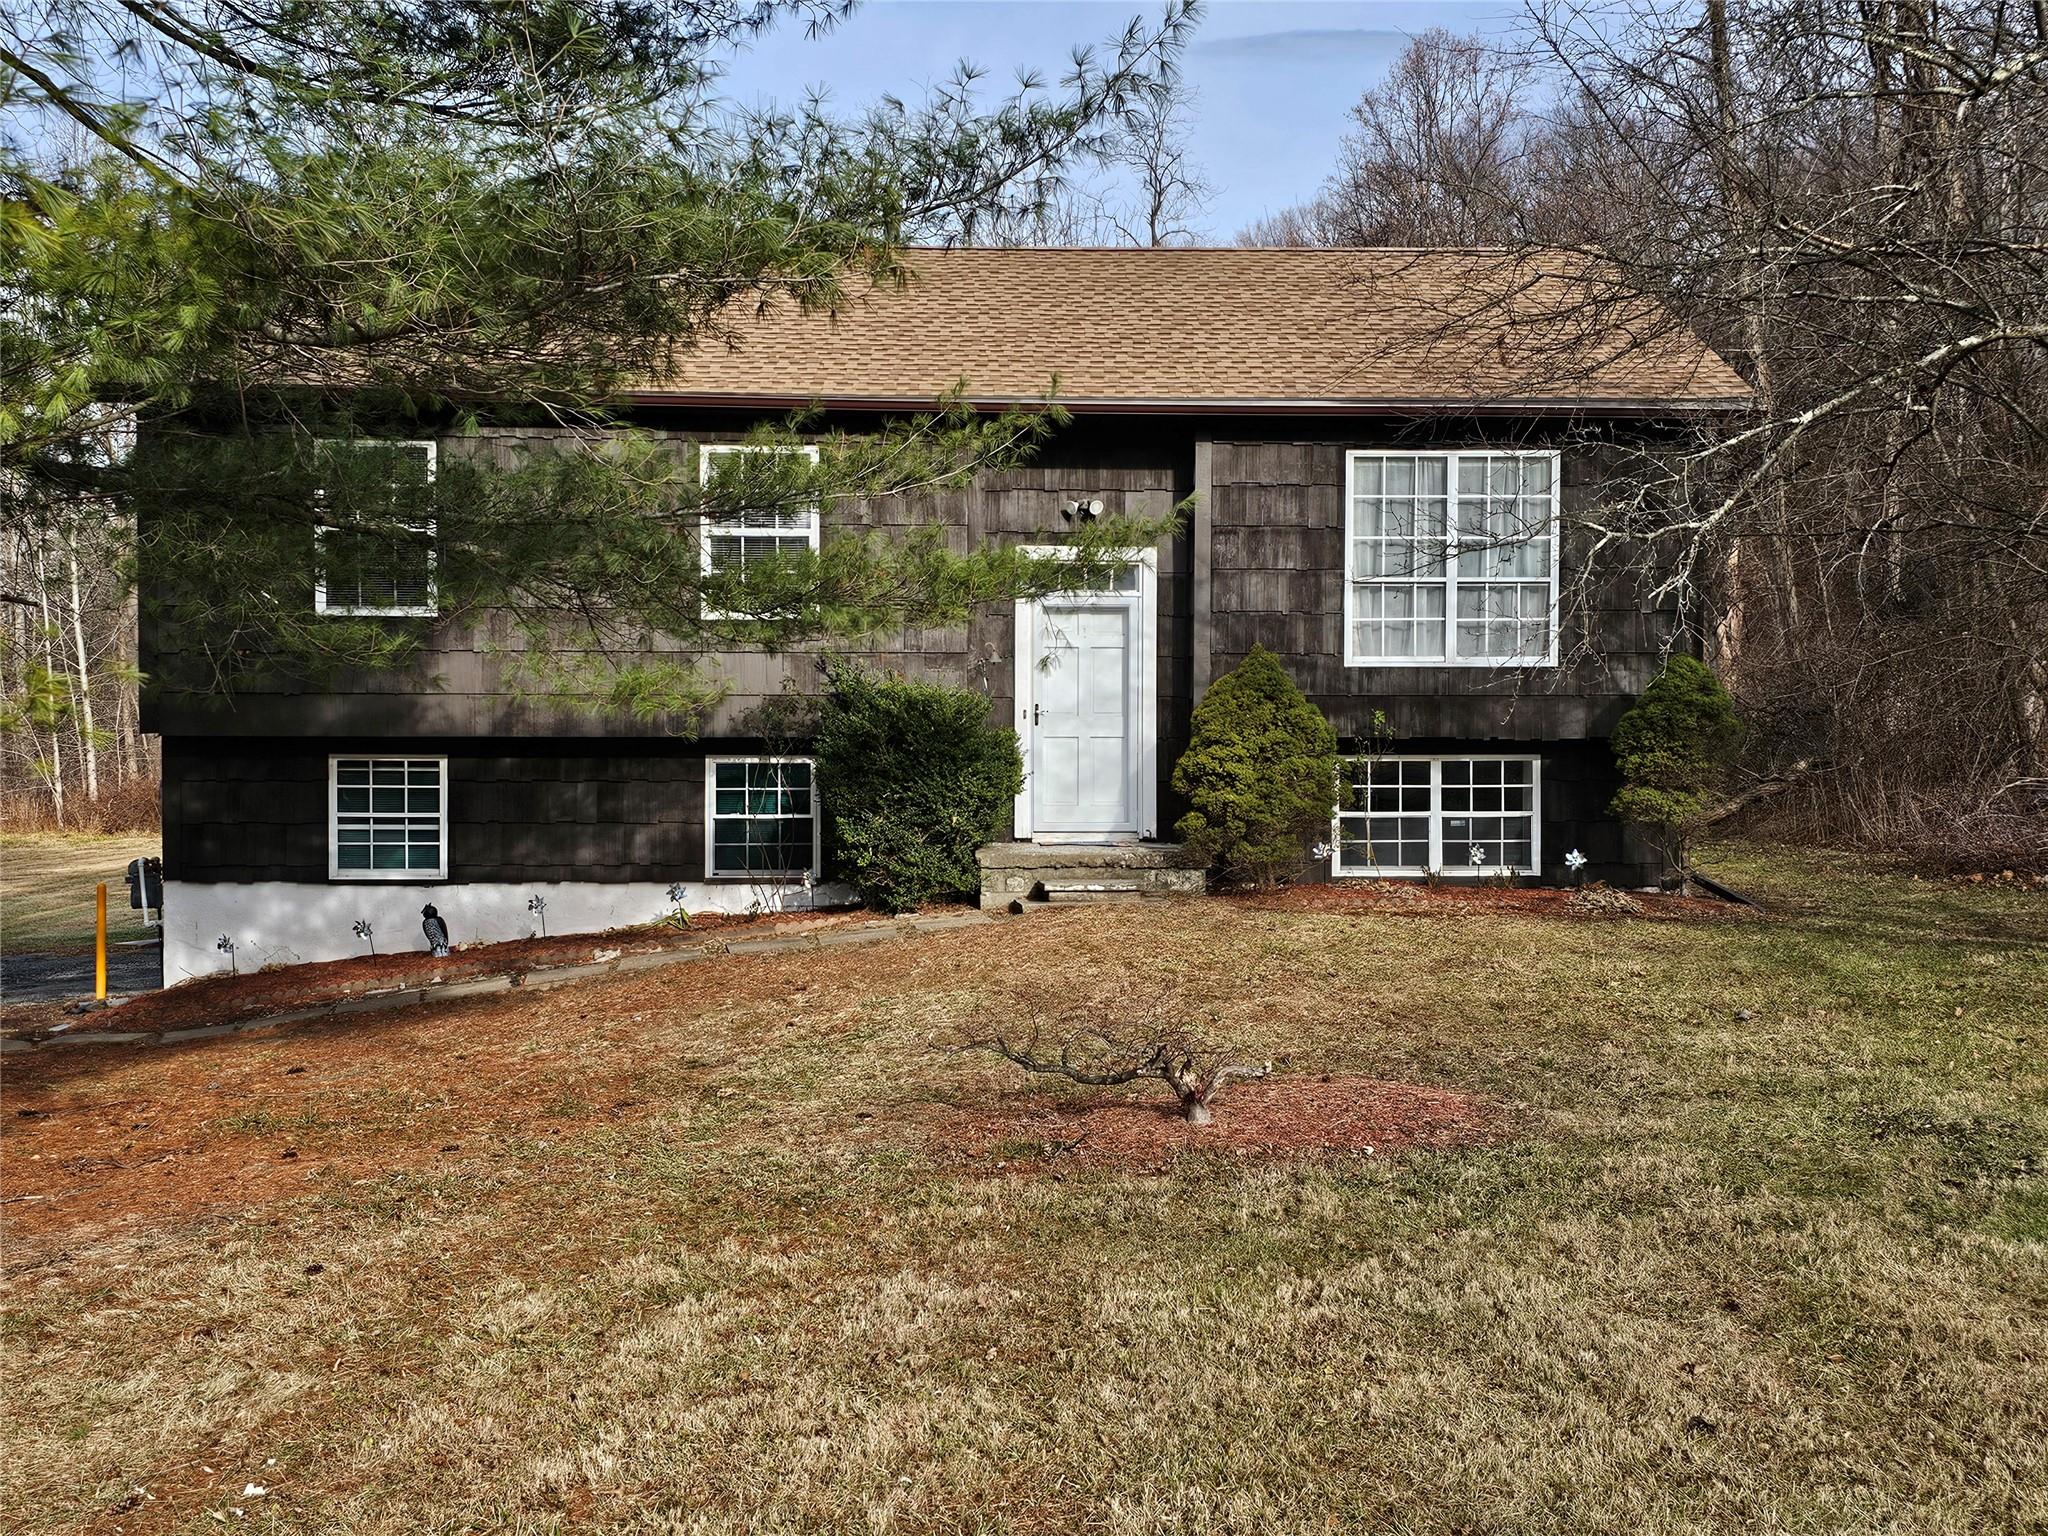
(387, 818)
(1451, 559)
(761, 819)
(384, 572)
(729, 543)
(1411, 815)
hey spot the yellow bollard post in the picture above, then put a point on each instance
(99, 965)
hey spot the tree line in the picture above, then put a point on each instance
(1849, 200)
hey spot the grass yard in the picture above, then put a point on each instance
(46, 888)
(1757, 1242)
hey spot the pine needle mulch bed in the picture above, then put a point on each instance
(1697, 1227)
(1419, 899)
(228, 998)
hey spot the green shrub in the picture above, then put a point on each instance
(1674, 749)
(1260, 771)
(914, 779)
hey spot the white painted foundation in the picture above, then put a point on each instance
(279, 922)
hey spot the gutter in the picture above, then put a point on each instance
(1100, 405)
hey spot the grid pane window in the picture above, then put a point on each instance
(1451, 558)
(1400, 511)
(379, 568)
(390, 817)
(755, 533)
(764, 818)
(1504, 511)
(1386, 825)
(1409, 815)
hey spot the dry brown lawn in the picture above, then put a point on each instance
(46, 887)
(1753, 1240)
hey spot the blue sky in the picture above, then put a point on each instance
(1273, 78)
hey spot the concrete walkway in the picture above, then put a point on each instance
(787, 941)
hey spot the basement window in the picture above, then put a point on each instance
(1451, 559)
(382, 568)
(762, 821)
(1411, 815)
(388, 818)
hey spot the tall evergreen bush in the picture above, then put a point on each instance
(1260, 772)
(1675, 748)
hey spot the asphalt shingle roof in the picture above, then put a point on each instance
(1219, 329)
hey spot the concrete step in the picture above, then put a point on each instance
(1063, 891)
(1072, 872)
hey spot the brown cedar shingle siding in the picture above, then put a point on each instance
(457, 689)
(1219, 329)
(1278, 580)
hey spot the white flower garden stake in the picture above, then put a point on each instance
(1475, 856)
(1575, 861)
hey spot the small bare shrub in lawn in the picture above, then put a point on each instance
(1194, 1065)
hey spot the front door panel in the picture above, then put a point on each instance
(1081, 744)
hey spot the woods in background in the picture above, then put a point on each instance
(72, 752)
(1849, 199)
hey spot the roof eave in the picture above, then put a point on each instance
(1635, 406)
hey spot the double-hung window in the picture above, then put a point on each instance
(1451, 559)
(1456, 815)
(381, 566)
(387, 818)
(757, 532)
(762, 820)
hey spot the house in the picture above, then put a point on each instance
(1339, 421)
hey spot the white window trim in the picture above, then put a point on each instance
(334, 869)
(1144, 694)
(1339, 869)
(431, 609)
(712, 818)
(705, 451)
(1450, 577)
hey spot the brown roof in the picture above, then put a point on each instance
(1243, 329)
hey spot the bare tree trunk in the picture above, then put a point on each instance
(131, 687)
(50, 663)
(88, 733)
(1728, 160)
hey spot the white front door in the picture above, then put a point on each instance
(1084, 756)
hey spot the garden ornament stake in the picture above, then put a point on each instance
(364, 932)
(226, 946)
(538, 906)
